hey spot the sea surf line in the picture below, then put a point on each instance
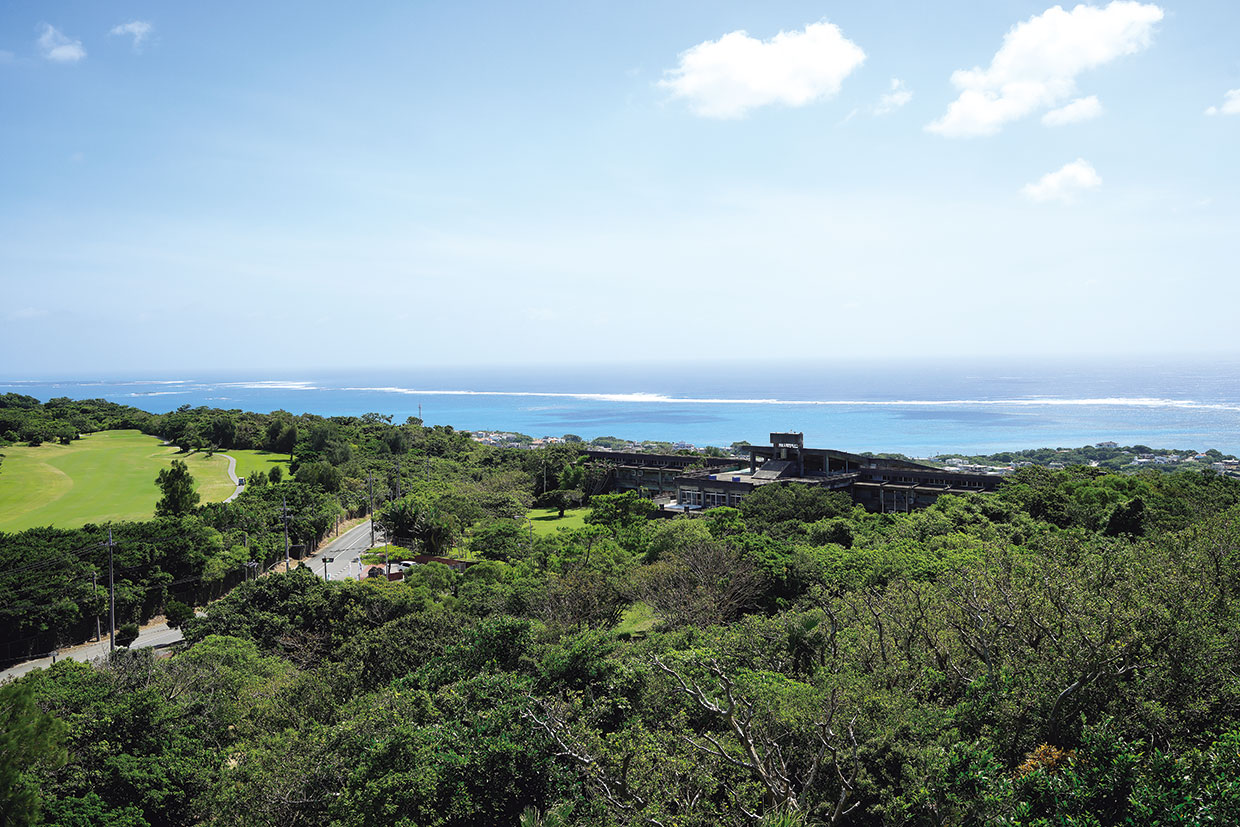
(1111, 401)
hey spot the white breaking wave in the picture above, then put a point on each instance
(1041, 401)
(271, 385)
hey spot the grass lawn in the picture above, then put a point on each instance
(636, 618)
(395, 554)
(547, 520)
(249, 461)
(100, 477)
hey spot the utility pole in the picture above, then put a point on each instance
(94, 591)
(284, 500)
(111, 596)
(370, 486)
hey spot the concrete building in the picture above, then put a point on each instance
(651, 475)
(878, 484)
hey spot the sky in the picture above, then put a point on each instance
(227, 186)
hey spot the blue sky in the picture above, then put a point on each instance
(278, 185)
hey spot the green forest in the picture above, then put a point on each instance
(1060, 652)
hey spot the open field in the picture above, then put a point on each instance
(249, 461)
(100, 477)
(547, 520)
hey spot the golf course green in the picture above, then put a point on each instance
(104, 476)
(249, 461)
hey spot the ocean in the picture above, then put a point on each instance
(917, 408)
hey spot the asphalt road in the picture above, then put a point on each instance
(344, 550)
(232, 475)
(157, 635)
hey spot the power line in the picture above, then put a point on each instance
(34, 567)
(51, 562)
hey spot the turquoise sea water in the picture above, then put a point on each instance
(917, 408)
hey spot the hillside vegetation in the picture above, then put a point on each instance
(1059, 652)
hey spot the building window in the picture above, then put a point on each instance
(690, 497)
(716, 498)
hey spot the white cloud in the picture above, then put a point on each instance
(139, 30)
(1231, 104)
(1065, 183)
(59, 48)
(725, 78)
(1081, 109)
(1037, 65)
(894, 99)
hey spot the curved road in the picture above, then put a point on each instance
(232, 475)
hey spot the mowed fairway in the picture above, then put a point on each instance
(100, 477)
(249, 461)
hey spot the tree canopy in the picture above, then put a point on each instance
(177, 487)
